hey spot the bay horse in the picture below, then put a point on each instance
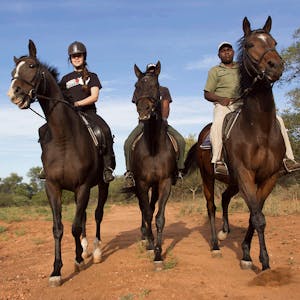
(153, 159)
(255, 149)
(70, 158)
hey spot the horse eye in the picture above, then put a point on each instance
(249, 45)
(31, 66)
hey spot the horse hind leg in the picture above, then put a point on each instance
(208, 189)
(226, 197)
(102, 197)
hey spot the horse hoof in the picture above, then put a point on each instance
(246, 264)
(86, 254)
(222, 235)
(79, 266)
(55, 281)
(216, 253)
(158, 265)
(97, 256)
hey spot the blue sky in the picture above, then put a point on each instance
(183, 35)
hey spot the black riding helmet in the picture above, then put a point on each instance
(77, 48)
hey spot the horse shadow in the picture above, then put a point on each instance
(233, 241)
(125, 239)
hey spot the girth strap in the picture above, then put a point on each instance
(91, 131)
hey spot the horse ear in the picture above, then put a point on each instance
(157, 68)
(15, 60)
(137, 71)
(268, 25)
(32, 49)
(246, 26)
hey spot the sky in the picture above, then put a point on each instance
(182, 35)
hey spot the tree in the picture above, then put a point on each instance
(36, 183)
(10, 184)
(291, 115)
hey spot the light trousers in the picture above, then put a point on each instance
(220, 112)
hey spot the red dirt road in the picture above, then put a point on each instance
(126, 271)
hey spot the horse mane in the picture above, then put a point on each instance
(245, 79)
(53, 70)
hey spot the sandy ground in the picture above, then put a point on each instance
(127, 272)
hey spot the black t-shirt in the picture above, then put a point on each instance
(71, 86)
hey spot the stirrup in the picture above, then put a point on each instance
(291, 165)
(220, 167)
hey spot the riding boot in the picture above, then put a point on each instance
(129, 179)
(109, 165)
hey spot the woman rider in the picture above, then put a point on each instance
(81, 88)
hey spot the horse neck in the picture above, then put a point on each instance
(259, 106)
(55, 111)
(155, 134)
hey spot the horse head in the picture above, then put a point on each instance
(26, 78)
(146, 92)
(258, 53)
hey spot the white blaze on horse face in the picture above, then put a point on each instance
(262, 37)
(10, 92)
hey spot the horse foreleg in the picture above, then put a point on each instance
(147, 214)
(260, 223)
(226, 197)
(163, 195)
(246, 262)
(102, 197)
(82, 196)
(54, 196)
(84, 242)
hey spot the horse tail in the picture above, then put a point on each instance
(190, 164)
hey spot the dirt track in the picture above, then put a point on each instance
(126, 271)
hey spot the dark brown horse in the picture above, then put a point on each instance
(255, 149)
(153, 159)
(69, 157)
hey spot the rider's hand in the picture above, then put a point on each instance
(225, 101)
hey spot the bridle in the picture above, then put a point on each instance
(153, 100)
(251, 64)
(35, 83)
(254, 63)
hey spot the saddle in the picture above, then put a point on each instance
(228, 124)
(94, 131)
(172, 139)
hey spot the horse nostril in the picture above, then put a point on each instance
(271, 64)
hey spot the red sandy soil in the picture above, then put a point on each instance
(126, 271)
